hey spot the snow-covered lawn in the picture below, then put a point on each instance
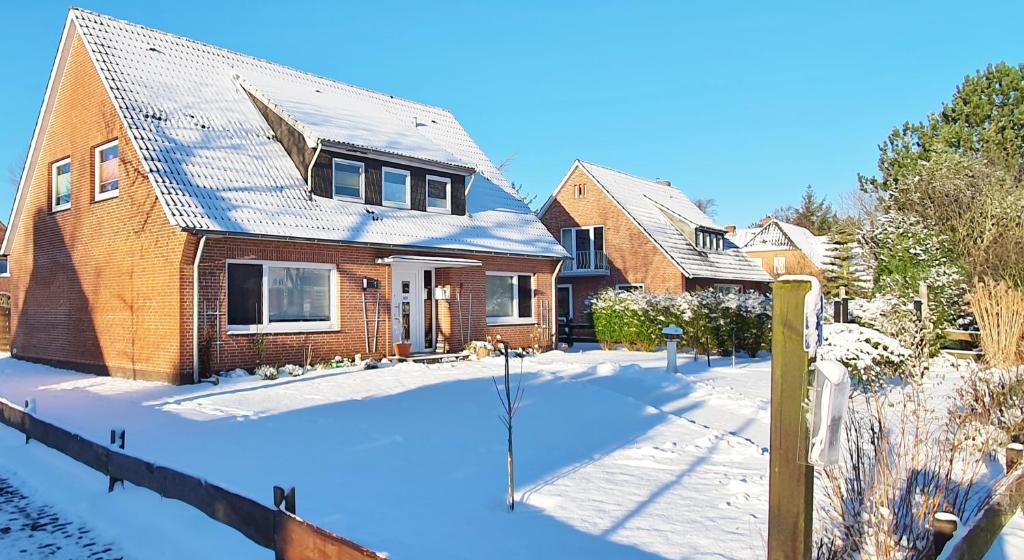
(614, 458)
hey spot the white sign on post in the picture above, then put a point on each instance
(831, 391)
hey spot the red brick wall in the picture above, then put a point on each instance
(632, 257)
(354, 263)
(96, 287)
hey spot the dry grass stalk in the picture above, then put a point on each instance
(904, 463)
(999, 310)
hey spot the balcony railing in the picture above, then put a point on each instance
(594, 262)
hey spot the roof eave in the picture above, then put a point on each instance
(434, 165)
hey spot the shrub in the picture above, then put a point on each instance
(711, 322)
(266, 372)
(871, 356)
(291, 370)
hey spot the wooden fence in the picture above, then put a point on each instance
(290, 537)
(979, 537)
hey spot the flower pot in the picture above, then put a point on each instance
(403, 349)
(482, 353)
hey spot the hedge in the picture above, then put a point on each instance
(710, 320)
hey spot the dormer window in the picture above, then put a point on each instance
(439, 194)
(349, 180)
(396, 188)
(710, 241)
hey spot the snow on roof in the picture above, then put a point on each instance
(217, 166)
(778, 235)
(742, 235)
(655, 208)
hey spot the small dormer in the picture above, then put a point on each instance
(362, 155)
(709, 240)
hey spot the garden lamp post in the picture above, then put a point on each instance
(672, 335)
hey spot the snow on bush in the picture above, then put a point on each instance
(711, 321)
(871, 356)
(266, 372)
(237, 372)
(291, 370)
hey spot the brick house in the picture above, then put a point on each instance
(784, 248)
(626, 232)
(180, 200)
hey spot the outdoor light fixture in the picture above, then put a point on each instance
(672, 335)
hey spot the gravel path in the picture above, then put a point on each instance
(30, 529)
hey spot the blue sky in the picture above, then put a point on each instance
(744, 102)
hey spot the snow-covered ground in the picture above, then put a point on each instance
(614, 458)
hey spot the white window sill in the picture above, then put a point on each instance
(439, 210)
(401, 205)
(512, 321)
(283, 328)
(349, 198)
(56, 209)
(107, 195)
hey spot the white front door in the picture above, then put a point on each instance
(407, 305)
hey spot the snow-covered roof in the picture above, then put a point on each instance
(217, 166)
(657, 209)
(777, 235)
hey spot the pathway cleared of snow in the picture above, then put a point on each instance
(615, 458)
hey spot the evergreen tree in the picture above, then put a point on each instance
(814, 213)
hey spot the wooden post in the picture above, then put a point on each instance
(943, 526)
(837, 311)
(791, 480)
(1014, 455)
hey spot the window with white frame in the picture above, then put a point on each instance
(586, 246)
(107, 172)
(281, 296)
(728, 289)
(707, 240)
(396, 187)
(779, 264)
(439, 194)
(509, 297)
(758, 261)
(349, 179)
(565, 301)
(629, 287)
(60, 179)
(581, 190)
(4, 270)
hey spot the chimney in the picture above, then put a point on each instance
(730, 229)
(766, 220)
(663, 182)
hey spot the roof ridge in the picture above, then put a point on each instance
(76, 9)
(639, 178)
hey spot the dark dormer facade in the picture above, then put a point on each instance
(364, 176)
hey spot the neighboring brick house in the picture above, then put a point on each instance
(630, 233)
(180, 200)
(783, 248)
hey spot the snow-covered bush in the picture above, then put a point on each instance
(291, 370)
(477, 347)
(871, 356)
(993, 398)
(266, 372)
(895, 317)
(709, 319)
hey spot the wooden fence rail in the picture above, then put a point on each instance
(290, 537)
(978, 538)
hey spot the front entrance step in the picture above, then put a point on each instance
(431, 357)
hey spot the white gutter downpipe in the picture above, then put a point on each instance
(309, 169)
(195, 309)
(469, 186)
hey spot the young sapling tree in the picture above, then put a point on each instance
(510, 400)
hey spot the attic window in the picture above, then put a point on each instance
(396, 188)
(60, 178)
(710, 241)
(107, 171)
(349, 180)
(581, 190)
(439, 194)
